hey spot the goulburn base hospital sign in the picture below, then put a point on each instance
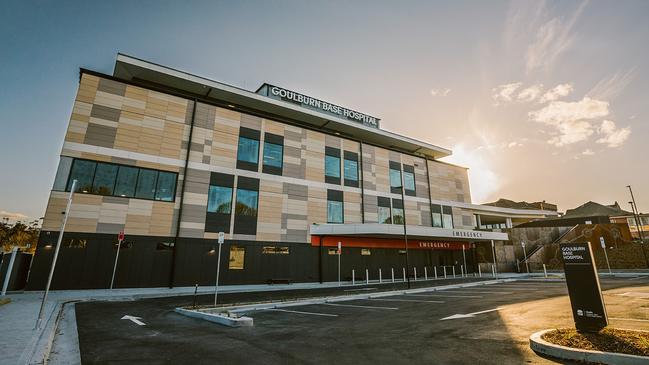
(308, 102)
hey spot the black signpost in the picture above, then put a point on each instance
(588, 308)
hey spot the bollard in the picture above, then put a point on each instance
(435, 271)
(415, 269)
(479, 271)
(444, 267)
(392, 270)
(367, 277)
(195, 291)
(461, 270)
(380, 278)
(353, 277)
(545, 272)
(404, 274)
(453, 271)
(425, 273)
(493, 270)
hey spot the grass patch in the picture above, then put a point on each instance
(607, 340)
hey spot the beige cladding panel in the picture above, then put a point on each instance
(449, 182)
(352, 207)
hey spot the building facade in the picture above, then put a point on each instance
(172, 159)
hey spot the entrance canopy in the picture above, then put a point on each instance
(395, 231)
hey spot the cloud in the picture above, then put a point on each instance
(558, 112)
(530, 93)
(13, 216)
(553, 38)
(505, 92)
(570, 120)
(440, 92)
(557, 92)
(588, 152)
(612, 136)
(514, 144)
(609, 87)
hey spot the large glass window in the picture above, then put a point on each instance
(166, 186)
(219, 199)
(246, 203)
(104, 181)
(409, 181)
(273, 154)
(126, 181)
(334, 211)
(332, 166)
(146, 183)
(395, 178)
(351, 170)
(437, 216)
(385, 215)
(248, 150)
(447, 216)
(83, 171)
(397, 215)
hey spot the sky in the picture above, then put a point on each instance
(541, 100)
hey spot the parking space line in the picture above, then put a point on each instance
(474, 291)
(360, 306)
(361, 289)
(629, 319)
(408, 300)
(444, 296)
(507, 287)
(301, 312)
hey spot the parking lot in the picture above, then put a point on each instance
(486, 324)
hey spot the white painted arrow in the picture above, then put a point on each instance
(135, 320)
(469, 315)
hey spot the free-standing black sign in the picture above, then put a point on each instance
(583, 287)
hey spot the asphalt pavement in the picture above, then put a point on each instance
(488, 324)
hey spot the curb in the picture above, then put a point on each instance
(217, 318)
(541, 346)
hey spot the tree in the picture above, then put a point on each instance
(19, 234)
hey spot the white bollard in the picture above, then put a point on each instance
(444, 267)
(380, 278)
(392, 270)
(404, 274)
(425, 273)
(435, 271)
(453, 271)
(461, 270)
(414, 268)
(367, 276)
(353, 277)
(479, 271)
(545, 272)
(493, 270)
(14, 251)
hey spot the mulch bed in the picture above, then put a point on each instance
(607, 340)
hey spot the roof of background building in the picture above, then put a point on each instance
(506, 203)
(592, 209)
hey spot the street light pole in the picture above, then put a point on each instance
(56, 253)
(637, 222)
(405, 232)
(527, 267)
(637, 216)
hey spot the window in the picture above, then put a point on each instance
(350, 165)
(248, 150)
(166, 187)
(395, 177)
(246, 203)
(409, 180)
(335, 206)
(104, 181)
(146, 183)
(273, 154)
(332, 166)
(447, 216)
(83, 171)
(397, 211)
(219, 199)
(126, 181)
(385, 216)
(437, 215)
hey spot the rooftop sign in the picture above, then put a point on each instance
(308, 102)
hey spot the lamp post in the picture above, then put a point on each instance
(527, 267)
(405, 232)
(637, 222)
(637, 216)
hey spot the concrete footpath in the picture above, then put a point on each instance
(21, 343)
